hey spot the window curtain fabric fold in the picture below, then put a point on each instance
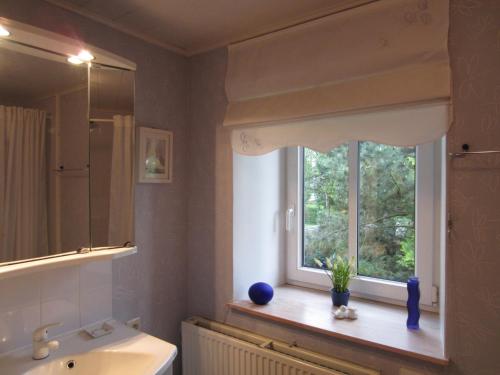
(121, 204)
(23, 177)
(381, 55)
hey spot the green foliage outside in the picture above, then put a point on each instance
(386, 221)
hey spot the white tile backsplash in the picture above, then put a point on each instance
(74, 295)
(95, 292)
(19, 310)
(60, 298)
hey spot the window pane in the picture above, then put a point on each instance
(325, 204)
(386, 223)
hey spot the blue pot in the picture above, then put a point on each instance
(340, 299)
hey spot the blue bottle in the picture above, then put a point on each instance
(412, 304)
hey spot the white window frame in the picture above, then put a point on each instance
(425, 215)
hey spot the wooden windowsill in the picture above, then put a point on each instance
(379, 325)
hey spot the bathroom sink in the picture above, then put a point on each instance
(124, 351)
(105, 362)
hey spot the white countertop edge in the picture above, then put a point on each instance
(43, 264)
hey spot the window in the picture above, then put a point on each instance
(369, 201)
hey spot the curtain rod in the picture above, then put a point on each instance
(465, 153)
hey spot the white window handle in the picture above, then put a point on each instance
(290, 213)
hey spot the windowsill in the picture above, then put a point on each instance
(379, 325)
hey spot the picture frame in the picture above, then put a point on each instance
(155, 155)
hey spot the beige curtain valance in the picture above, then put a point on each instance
(386, 53)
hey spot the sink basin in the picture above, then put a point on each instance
(105, 362)
(124, 351)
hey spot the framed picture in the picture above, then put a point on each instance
(155, 155)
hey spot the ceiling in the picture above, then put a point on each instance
(194, 26)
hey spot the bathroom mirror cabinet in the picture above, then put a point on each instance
(66, 149)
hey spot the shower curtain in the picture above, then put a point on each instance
(23, 176)
(121, 204)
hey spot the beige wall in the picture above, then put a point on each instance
(473, 257)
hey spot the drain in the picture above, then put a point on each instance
(71, 364)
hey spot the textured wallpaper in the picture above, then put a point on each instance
(151, 284)
(473, 255)
(473, 259)
(186, 225)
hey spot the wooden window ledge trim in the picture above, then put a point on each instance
(381, 326)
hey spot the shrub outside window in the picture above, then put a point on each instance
(369, 201)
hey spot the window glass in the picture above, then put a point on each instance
(386, 213)
(325, 200)
(386, 208)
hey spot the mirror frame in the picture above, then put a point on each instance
(40, 42)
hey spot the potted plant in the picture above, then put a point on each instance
(339, 270)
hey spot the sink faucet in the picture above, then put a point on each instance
(42, 347)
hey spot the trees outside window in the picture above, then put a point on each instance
(370, 201)
(385, 212)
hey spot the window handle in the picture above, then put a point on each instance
(290, 213)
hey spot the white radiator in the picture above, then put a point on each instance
(211, 348)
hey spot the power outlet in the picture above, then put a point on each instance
(134, 323)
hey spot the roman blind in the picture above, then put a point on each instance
(377, 72)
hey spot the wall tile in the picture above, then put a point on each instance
(95, 292)
(95, 304)
(19, 310)
(95, 275)
(74, 295)
(60, 298)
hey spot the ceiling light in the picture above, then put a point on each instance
(75, 60)
(85, 55)
(4, 31)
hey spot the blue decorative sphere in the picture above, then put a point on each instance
(261, 293)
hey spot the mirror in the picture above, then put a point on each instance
(111, 156)
(66, 154)
(44, 148)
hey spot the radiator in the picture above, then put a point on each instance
(211, 348)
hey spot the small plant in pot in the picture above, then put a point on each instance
(339, 270)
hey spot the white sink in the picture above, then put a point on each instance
(124, 351)
(102, 362)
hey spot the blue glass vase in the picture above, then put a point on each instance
(413, 303)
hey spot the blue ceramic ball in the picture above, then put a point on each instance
(261, 293)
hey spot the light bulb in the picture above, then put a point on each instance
(85, 55)
(4, 31)
(75, 60)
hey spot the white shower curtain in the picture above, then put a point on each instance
(23, 176)
(121, 205)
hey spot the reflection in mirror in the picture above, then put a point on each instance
(44, 148)
(112, 156)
